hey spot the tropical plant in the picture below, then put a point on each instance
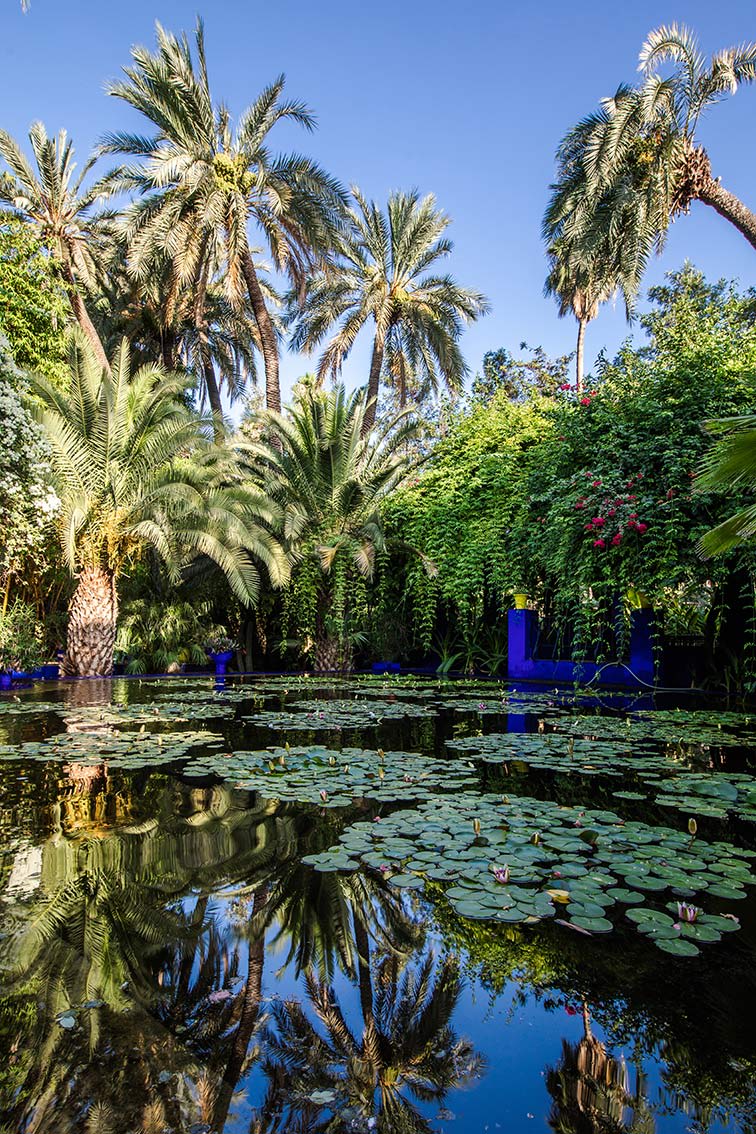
(384, 279)
(58, 207)
(33, 304)
(581, 283)
(329, 477)
(631, 167)
(202, 183)
(730, 466)
(20, 639)
(160, 637)
(133, 470)
(408, 1049)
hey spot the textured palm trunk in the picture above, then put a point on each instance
(81, 315)
(374, 382)
(730, 207)
(332, 655)
(208, 370)
(579, 356)
(267, 333)
(92, 624)
(249, 1015)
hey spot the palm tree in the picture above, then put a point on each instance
(408, 1050)
(192, 328)
(580, 285)
(384, 279)
(202, 181)
(329, 477)
(627, 170)
(133, 470)
(55, 203)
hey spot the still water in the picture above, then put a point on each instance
(168, 962)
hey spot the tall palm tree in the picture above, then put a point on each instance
(580, 284)
(627, 170)
(328, 476)
(384, 280)
(54, 201)
(133, 469)
(203, 181)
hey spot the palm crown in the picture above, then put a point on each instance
(625, 171)
(387, 277)
(56, 203)
(202, 181)
(133, 469)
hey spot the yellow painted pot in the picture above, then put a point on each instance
(521, 601)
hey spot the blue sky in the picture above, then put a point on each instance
(467, 100)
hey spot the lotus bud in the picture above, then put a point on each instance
(571, 746)
(323, 795)
(282, 759)
(381, 774)
(535, 838)
(476, 827)
(332, 760)
(692, 827)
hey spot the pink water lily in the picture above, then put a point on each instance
(687, 913)
(501, 874)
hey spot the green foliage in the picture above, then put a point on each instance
(330, 479)
(20, 639)
(159, 636)
(33, 307)
(134, 470)
(579, 499)
(27, 500)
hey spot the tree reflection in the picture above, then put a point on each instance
(590, 1090)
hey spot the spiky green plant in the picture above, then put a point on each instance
(329, 477)
(387, 279)
(730, 466)
(133, 468)
(203, 182)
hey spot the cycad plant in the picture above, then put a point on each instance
(730, 466)
(329, 476)
(54, 201)
(202, 182)
(133, 469)
(627, 170)
(388, 279)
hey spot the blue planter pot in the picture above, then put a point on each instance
(220, 661)
(6, 680)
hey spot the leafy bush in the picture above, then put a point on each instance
(20, 639)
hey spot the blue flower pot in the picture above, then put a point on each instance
(220, 661)
(6, 680)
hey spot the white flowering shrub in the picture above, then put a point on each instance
(28, 503)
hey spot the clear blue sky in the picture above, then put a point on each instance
(467, 100)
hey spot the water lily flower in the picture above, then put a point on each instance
(501, 874)
(323, 794)
(687, 912)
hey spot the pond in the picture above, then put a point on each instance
(378, 904)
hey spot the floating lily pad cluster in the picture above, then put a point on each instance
(335, 778)
(119, 749)
(523, 859)
(664, 727)
(315, 714)
(713, 795)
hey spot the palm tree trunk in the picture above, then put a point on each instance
(579, 356)
(730, 207)
(81, 315)
(365, 983)
(92, 624)
(249, 1014)
(213, 394)
(374, 382)
(267, 333)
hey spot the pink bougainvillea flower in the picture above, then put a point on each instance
(580, 504)
(596, 484)
(585, 401)
(565, 386)
(617, 539)
(599, 543)
(598, 521)
(641, 528)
